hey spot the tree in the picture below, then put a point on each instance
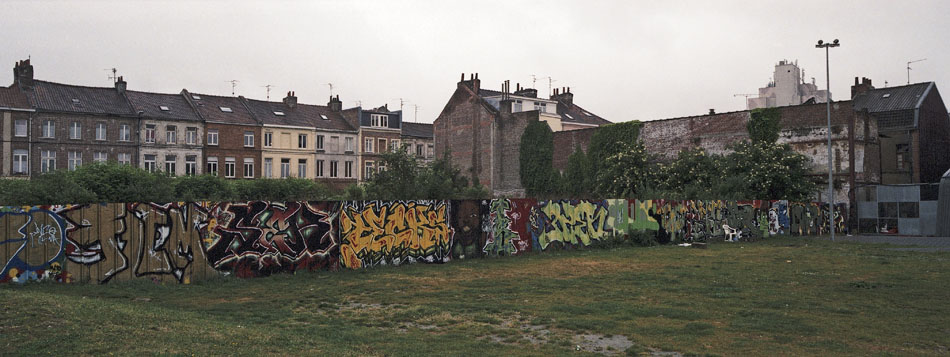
(771, 171)
(626, 174)
(693, 174)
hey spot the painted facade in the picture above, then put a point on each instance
(172, 135)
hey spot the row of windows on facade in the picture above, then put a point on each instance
(21, 160)
(230, 164)
(191, 136)
(394, 144)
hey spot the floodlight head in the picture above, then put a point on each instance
(836, 41)
(820, 42)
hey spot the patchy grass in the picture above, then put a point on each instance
(787, 296)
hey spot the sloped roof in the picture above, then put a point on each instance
(151, 105)
(12, 98)
(892, 98)
(302, 115)
(419, 130)
(49, 96)
(209, 106)
(573, 113)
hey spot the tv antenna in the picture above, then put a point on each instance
(331, 89)
(401, 103)
(415, 116)
(908, 68)
(534, 81)
(234, 83)
(550, 84)
(113, 77)
(268, 90)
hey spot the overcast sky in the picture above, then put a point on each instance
(623, 60)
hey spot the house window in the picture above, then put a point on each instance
(369, 171)
(19, 128)
(348, 169)
(149, 133)
(539, 106)
(75, 160)
(75, 131)
(191, 135)
(516, 106)
(170, 161)
(100, 156)
(249, 167)
(394, 145)
(902, 151)
(431, 151)
(348, 144)
(171, 134)
(101, 131)
(319, 143)
(125, 133)
(334, 171)
(419, 150)
(368, 147)
(21, 161)
(125, 158)
(229, 167)
(284, 168)
(249, 139)
(302, 141)
(302, 168)
(268, 167)
(150, 163)
(379, 120)
(213, 137)
(191, 165)
(48, 130)
(47, 161)
(382, 145)
(268, 139)
(319, 168)
(213, 166)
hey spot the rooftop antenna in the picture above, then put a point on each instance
(113, 77)
(534, 81)
(331, 89)
(234, 83)
(268, 91)
(550, 84)
(908, 68)
(415, 116)
(401, 103)
(359, 103)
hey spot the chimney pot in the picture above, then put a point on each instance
(712, 111)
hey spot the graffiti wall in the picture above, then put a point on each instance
(182, 242)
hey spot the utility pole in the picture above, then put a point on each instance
(831, 188)
(908, 68)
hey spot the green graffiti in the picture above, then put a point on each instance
(500, 242)
(575, 224)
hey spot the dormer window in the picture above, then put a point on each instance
(195, 97)
(226, 109)
(75, 101)
(163, 108)
(379, 120)
(280, 114)
(324, 117)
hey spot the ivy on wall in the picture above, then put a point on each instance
(536, 154)
(764, 125)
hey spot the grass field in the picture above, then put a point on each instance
(787, 296)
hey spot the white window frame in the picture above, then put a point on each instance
(212, 165)
(268, 167)
(191, 135)
(268, 139)
(334, 169)
(302, 141)
(148, 162)
(171, 164)
(20, 127)
(379, 120)
(284, 168)
(149, 134)
(369, 170)
(48, 130)
(101, 132)
(74, 160)
(348, 169)
(248, 167)
(100, 156)
(213, 137)
(21, 161)
(125, 133)
(191, 165)
(171, 134)
(248, 139)
(319, 168)
(230, 165)
(75, 131)
(47, 161)
(348, 144)
(368, 145)
(320, 142)
(302, 168)
(124, 158)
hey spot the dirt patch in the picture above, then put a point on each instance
(613, 345)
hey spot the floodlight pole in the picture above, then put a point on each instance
(831, 189)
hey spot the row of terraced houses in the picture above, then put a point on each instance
(47, 126)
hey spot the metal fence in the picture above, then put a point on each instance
(898, 209)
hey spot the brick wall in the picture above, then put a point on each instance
(934, 128)
(231, 144)
(566, 141)
(87, 145)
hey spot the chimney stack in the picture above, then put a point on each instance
(862, 87)
(120, 85)
(290, 100)
(563, 95)
(336, 105)
(712, 111)
(23, 74)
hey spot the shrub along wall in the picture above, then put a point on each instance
(187, 241)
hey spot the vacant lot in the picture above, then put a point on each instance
(788, 296)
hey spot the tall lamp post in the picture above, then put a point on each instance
(831, 188)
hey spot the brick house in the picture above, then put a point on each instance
(481, 130)
(306, 141)
(914, 129)
(73, 125)
(232, 135)
(15, 120)
(172, 134)
(418, 140)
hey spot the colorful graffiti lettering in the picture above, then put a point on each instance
(505, 222)
(572, 223)
(380, 233)
(32, 244)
